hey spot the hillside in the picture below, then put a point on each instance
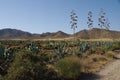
(97, 33)
(58, 34)
(14, 33)
(94, 33)
(18, 34)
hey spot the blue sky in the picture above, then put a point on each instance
(38, 16)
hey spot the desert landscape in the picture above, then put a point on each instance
(59, 40)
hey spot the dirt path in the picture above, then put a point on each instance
(109, 72)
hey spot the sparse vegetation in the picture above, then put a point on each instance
(27, 66)
(33, 56)
(59, 40)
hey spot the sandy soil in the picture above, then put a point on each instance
(111, 71)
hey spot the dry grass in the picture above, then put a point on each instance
(110, 54)
(94, 63)
(67, 39)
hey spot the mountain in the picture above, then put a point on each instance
(58, 34)
(94, 33)
(19, 34)
(97, 33)
(13, 33)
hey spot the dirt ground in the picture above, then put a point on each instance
(110, 72)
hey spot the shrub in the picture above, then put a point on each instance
(1, 52)
(115, 46)
(69, 67)
(27, 66)
(100, 50)
(110, 54)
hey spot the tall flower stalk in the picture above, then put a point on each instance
(73, 22)
(103, 22)
(90, 21)
(90, 26)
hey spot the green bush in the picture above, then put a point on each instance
(27, 66)
(115, 46)
(69, 67)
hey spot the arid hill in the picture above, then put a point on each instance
(13, 33)
(58, 34)
(97, 33)
(94, 33)
(19, 34)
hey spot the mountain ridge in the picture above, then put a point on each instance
(9, 33)
(94, 33)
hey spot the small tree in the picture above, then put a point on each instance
(73, 22)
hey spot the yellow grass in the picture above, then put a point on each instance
(66, 39)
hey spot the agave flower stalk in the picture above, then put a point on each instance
(73, 22)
